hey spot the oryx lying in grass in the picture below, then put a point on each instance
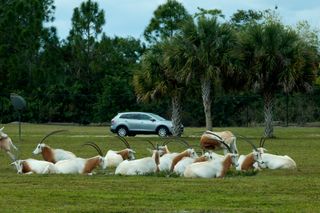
(251, 160)
(216, 168)
(184, 158)
(140, 166)
(167, 157)
(33, 166)
(272, 161)
(50, 154)
(114, 158)
(77, 165)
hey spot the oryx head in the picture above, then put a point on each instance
(102, 160)
(234, 156)
(2, 134)
(38, 148)
(131, 152)
(257, 152)
(208, 155)
(41, 145)
(192, 153)
(18, 164)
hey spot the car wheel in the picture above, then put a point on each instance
(122, 131)
(163, 131)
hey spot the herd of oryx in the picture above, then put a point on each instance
(186, 163)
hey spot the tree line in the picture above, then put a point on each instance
(186, 68)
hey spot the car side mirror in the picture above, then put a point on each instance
(152, 119)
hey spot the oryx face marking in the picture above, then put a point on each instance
(38, 149)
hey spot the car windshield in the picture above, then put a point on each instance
(158, 117)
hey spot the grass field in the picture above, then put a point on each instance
(266, 191)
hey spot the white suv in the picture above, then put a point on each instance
(132, 123)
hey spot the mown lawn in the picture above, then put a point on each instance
(266, 191)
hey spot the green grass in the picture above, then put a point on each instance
(265, 191)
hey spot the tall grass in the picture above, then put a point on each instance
(265, 191)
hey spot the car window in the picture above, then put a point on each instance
(158, 117)
(144, 117)
(127, 116)
(135, 116)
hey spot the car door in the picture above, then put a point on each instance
(133, 122)
(147, 123)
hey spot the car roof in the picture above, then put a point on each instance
(135, 112)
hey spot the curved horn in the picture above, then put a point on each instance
(247, 140)
(181, 141)
(212, 133)
(167, 140)
(94, 145)
(262, 141)
(185, 142)
(152, 144)
(126, 143)
(226, 145)
(51, 133)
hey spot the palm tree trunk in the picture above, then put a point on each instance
(176, 114)
(206, 99)
(268, 114)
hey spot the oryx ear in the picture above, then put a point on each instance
(1, 129)
(14, 163)
(134, 152)
(150, 150)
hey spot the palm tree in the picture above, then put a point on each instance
(275, 58)
(201, 52)
(153, 81)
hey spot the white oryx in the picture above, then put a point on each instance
(251, 160)
(32, 166)
(184, 158)
(114, 158)
(167, 157)
(6, 144)
(211, 169)
(141, 166)
(77, 165)
(216, 168)
(50, 154)
(271, 161)
(181, 166)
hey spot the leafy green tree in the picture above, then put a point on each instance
(161, 81)
(154, 81)
(21, 25)
(244, 17)
(87, 22)
(117, 60)
(166, 21)
(276, 58)
(201, 52)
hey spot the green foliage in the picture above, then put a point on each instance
(22, 29)
(166, 22)
(89, 77)
(244, 17)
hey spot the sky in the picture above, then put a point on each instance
(129, 18)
